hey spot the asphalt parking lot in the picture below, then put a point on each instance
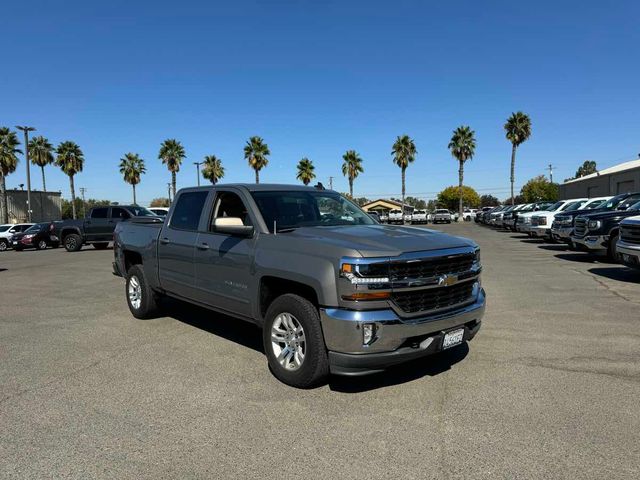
(548, 389)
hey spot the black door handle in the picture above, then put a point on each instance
(203, 246)
(164, 241)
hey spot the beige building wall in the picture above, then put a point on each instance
(603, 185)
(45, 206)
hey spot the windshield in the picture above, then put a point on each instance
(36, 228)
(594, 204)
(635, 206)
(554, 207)
(141, 212)
(613, 203)
(573, 206)
(308, 209)
(4, 228)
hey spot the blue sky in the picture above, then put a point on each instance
(317, 78)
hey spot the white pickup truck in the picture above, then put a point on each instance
(395, 216)
(542, 220)
(628, 247)
(420, 216)
(442, 215)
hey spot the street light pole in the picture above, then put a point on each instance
(26, 131)
(197, 164)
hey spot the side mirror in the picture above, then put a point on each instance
(232, 226)
(622, 207)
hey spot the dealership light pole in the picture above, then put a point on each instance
(197, 164)
(26, 131)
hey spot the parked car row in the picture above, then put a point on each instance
(608, 226)
(420, 216)
(29, 235)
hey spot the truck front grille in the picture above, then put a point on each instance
(630, 234)
(580, 228)
(433, 298)
(431, 267)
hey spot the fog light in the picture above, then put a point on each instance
(368, 333)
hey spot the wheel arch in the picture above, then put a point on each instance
(271, 287)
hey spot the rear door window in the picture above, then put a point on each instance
(188, 209)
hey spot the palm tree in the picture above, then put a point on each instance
(70, 159)
(212, 169)
(518, 130)
(256, 153)
(132, 167)
(305, 171)
(41, 154)
(351, 167)
(404, 152)
(462, 146)
(8, 162)
(172, 153)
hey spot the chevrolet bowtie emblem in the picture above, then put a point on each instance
(447, 280)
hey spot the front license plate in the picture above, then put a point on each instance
(453, 338)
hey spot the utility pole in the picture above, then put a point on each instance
(169, 191)
(330, 183)
(84, 203)
(197, 164)
(550, 168)
(26, 131)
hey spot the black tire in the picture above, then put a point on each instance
(315, 366)
(4, 245)
(148, 305)
(41, 245)
(72, 242)
(612, 250)
(101, 245)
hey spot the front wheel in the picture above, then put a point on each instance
(294, 343)
(4, 245)
(72, 242)
(613, 247)
(41, 245)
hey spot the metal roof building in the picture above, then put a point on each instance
(45, 206)
(621, 178)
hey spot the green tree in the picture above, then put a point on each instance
(132, 167)
(41, 154)
(212, 169)
(256, 153)
(518, 131)
(462, 146)
(70, 159)
(587, 168)
(172, 154)
(160, 202)
(489, 201)
(538, 189)
(67, 206)
(450, 197)
(351, 167)
(305, 171)
(404, 152)
(361, 200)
(9, 152)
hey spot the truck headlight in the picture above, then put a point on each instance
(364, 274)
(594, 224)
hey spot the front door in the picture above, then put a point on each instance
(117, 215)
(97, 224)
(177, 244)
(223, 262)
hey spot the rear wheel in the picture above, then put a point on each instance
(141, 299)
(72, 242)
(101, 245)
(294, 343)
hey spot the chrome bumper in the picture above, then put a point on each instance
(540, 231)
(343, 328)
(593, 242)
(563, 233)
(629, 253)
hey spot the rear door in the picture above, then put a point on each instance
(97, 223)
(223, 262)
(176, 246)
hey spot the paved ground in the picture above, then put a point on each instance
(549, 388)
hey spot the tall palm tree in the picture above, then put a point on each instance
(305, 171)
(41, 154)
(132, 167)
(404, 152)
(462, 146)
(518, 130)
(212, 169)
(70, 159)
(172, 153)
(9, 152)
(351, 167)
(256, 153)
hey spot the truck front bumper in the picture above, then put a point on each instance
(562, 234)
(592, 243)
(540, 231)
(629, 253)
(396, 340)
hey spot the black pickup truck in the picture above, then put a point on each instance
(333, 290)
(97, 229)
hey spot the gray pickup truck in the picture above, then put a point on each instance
(333, 290)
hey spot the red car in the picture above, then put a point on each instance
(38, 236)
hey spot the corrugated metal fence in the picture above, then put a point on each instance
(45, 206)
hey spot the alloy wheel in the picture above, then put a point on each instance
(288, 341)
(134, 291)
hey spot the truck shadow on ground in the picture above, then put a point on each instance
(581, 258)
(621, 274)
(404, 373)
(249, 335)
(555, 248)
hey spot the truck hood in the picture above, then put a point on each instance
(610, 214)
(380, 240)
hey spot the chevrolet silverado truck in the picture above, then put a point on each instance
(97, 229)
(333, 291)
(441, 215)
(629, 242)
(598, 232)
(541, 221)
